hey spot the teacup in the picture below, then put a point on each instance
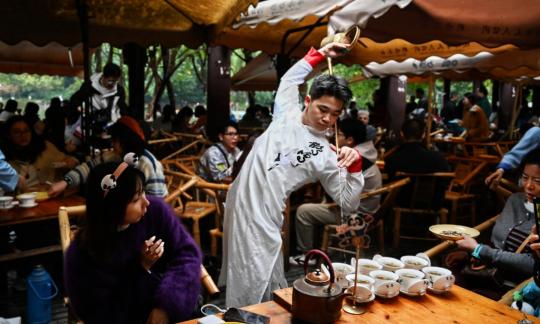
(414, 262)
(364, 286)
(365, 266)
(6, 202)
(439, 278)
(341, 270)
(389, 264)
(412, 281)
(386, 284)
(27, 199)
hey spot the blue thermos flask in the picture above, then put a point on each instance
(41, 290)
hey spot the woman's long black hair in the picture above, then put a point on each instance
(104, 213)
(29, 153)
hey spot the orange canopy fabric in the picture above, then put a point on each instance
(52, 59)
(145, 22)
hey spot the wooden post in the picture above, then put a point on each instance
(135, 57)
(218, 89)
(393, 89)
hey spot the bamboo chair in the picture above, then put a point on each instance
(424, 190)
(195, 143)
(390, 191)
(67, 233)
(178, 184)
(458, 193)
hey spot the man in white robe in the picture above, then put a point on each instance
(292, 152)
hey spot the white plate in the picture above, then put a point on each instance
(442, 230)
(7, 207)
(29, 206)
(412, 294)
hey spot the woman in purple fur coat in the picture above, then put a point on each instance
(133, 261)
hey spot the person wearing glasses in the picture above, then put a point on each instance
(216, 164)
(108, 99)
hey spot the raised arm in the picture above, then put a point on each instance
(288, 94)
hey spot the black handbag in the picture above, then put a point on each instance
(478, 274)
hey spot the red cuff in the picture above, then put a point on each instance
(356, 166)
(314, 57)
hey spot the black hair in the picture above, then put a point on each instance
(482, 89)
(186, 111)
(128, 139)
(167, 112)
(413, 129)
(533, 157)
(353, 127)
(331, 85)
(31, 108)
(29, 153)
(55, 102)
(200, 111)
(11, 105)
(471, 97)
(420, 91)
(112, 70)
(223, 128)
(104, 213)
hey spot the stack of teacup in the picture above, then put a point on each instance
(386, 277)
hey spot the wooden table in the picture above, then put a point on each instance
(44, 211)
(457, 306)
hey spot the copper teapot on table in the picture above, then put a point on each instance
(317, 298)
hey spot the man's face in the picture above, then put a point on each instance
(323, 112)
(229, 138)
(364, 118)
(109, 82)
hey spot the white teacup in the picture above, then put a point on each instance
(6, 202)
(341, 270)
(439, 278)
(412, 281)
(365, 266)
(389, 264)
(414, 262)
(364, 286)
(386, 284)
(27, 199)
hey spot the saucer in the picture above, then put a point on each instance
(29, 206)
(437, 291)
(370, 299)
(388, 296)
(8, 208)
(412, 294)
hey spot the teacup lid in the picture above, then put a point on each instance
(318, 278)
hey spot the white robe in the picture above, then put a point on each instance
(285, 157)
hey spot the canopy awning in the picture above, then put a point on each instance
(145, 22)
(515, 63)
(52, 59)
(418, 29)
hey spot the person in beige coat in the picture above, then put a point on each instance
(34, 158)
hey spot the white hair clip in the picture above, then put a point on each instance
(109, 181)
